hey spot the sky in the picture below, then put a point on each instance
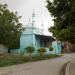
(25, 9)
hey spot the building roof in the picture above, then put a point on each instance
(46, 36)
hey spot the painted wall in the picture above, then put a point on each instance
(30, 30)
(26, 40)
(57, 47)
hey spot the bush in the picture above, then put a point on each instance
(41, 51)
(30, 49)
(51, 49)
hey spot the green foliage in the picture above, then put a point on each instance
(41, 51)
(7, 59)
(51, 49)
(63, 12)
(10, 28)
(44, 57)
(30, 49)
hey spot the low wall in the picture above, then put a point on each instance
(3, 49)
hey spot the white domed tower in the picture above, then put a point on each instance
(33, 19)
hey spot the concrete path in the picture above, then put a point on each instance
(70, 68)
(46, 67)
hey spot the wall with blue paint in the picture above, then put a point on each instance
(57, 47)
(32, 30)
(25, 41)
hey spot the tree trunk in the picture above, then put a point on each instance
(72, 47)
(68, 47)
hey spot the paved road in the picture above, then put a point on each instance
(72, 68)
(46, 67)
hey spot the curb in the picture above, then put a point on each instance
(63, 69)
(67, 70)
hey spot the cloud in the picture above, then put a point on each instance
(25, 9)
(14, 4)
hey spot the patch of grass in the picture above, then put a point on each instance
(45, 57)
(8, 59)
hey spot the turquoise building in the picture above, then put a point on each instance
(33, 36)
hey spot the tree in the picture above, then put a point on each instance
(30, 50)
(63, 12)
(10, 28)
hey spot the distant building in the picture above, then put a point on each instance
(33, 36)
